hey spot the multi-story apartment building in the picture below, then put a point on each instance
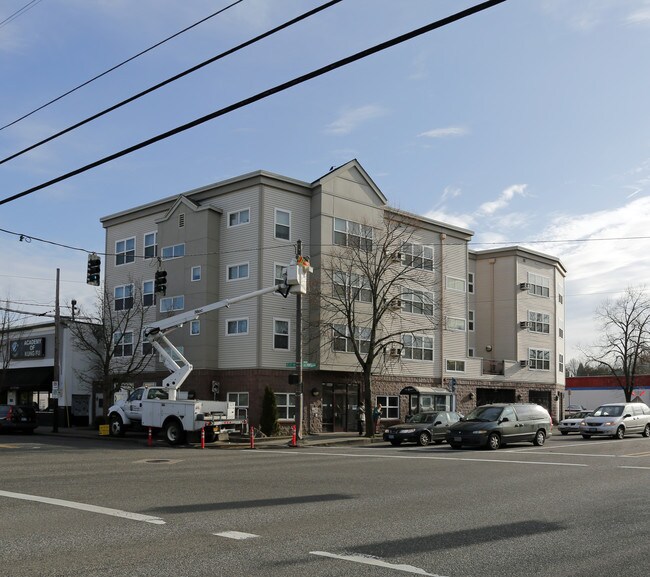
(460, 338)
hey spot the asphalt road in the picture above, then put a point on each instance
(79, 507)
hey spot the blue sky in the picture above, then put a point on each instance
(527, 123)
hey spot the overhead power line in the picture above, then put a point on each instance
(174, 78)
(117, 65)
(266, 93)
(20, 12)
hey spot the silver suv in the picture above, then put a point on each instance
(616, 420)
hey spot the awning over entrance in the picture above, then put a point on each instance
(411, 390)
(33, 379)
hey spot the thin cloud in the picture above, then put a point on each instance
(444, 132)
(351, 119)
(640, 16)
(505, 198)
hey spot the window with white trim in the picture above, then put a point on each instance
(148, 293)
(539, 359)
(539, 322)
(389, 406)
(454, 366)
(354, 234)
(123, 344)
(237, 326)
(417, 302)
(471, 352)
(174, 251)
(281, 334)
(470, 282)
(241, 401)
(560, 363)
(124, 251)
(195, 327)
(538, 285)
(417, 347)
(237, 271)
(169, 304)
(456, 324)
(279, 273)
(151, 245)
(470, 321)
(417, 255)
(123, 297)
(282, 224)
(455, 284)
(286, 404)
(147, 347)
(195, 273)
(239, 217)
(352, 287)
(343, 340)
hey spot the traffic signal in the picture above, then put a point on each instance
(94, 268)
(161, 281)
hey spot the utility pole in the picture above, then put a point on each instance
(55, 371)
(299, 394)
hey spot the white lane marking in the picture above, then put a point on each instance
(568, 454)
(84, 507)
(631, 467)
(429, 457)
(235, 535)
(374, 561)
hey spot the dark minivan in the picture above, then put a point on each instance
(496, 425)
(17, 418)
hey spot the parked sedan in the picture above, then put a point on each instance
(572, 422)
(17, 418)
(422, 428)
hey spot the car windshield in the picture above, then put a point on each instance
(608, 411)
(422, 418)
(484, 414)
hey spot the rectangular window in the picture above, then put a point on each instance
(124, 251)
(237, 327)
(151, 245)
(455, 284)
(560, 364)
(195, 327)
(417, 302)
(168, 304)
(286, 403)
(148, 294)
(239, 217)
(417, 347)
(282, 224)
(471, 352)
(342, 340)
(147, 347)
(352, 287)
(241, 404)
(417, 256)
(123, 297)
(470, 321)
(455, 324)
(455, 366)
(175, 251)
(281, 334)
(237, 271)
(196, 273)
(539, 322)
(539, 359)
(348, 233)
(123, 343)
(538, 285)
(279, 273)
(389, 406)
(470, 282)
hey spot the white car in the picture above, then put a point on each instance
(571, 424)
(616, 420)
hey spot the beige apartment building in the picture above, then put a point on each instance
(478, 327)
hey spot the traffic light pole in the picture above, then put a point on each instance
(299, 394)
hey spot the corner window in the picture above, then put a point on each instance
(123, 297)
(237, 327)
(281, 334)
(239, 217)
(124, 251)
(282, 224)
(238, 271)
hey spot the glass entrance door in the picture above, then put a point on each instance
(339, 407)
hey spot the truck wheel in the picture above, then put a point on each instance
(210, 435)
(116, 426)
(174, 433)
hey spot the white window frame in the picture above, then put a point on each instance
(279, 267)
(147, 347)
(126, 298)
(241, 217)
(560, 363)
(471, 315)
(278, 334)
(455, 284)
(237, 321)
(539, 359)
(149, 246)
(539, 322)
(177, 251)
(123, 341)
(277, 224)
(413, 299)
(355, 283)
(195, 327)
(460, 324)
(471, 352)
(539, 285)
(172, 303)
(470, 282)
(350, 229)
(149, 290)
(237, 266)
(389, 406)
(242, 402)
(341, 333)
(286, 405)
(124, 252)
(455, 366)
(417, 255)
(418, 347)
(195, 273)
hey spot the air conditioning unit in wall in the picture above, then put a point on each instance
(395, 352)
(395, 304)
(524, 286)
(526, 325)
(523, 363)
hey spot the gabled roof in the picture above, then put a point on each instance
(183, 200)
(354, 163)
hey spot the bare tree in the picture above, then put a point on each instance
(624, 337)
(8, 323)
(111, 339)
(362, 289)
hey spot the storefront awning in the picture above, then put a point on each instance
(411, 390)
(32, 379)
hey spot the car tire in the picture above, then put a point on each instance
(173, 432)
(586, 436)
(396, 442)
(115, 426)
(540, 437)
(423, 439)
(493, 442)
(646, 431)
(210, 436)
(455, 445)
(620, 433)
(564, 432)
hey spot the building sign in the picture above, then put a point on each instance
(28, 348)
